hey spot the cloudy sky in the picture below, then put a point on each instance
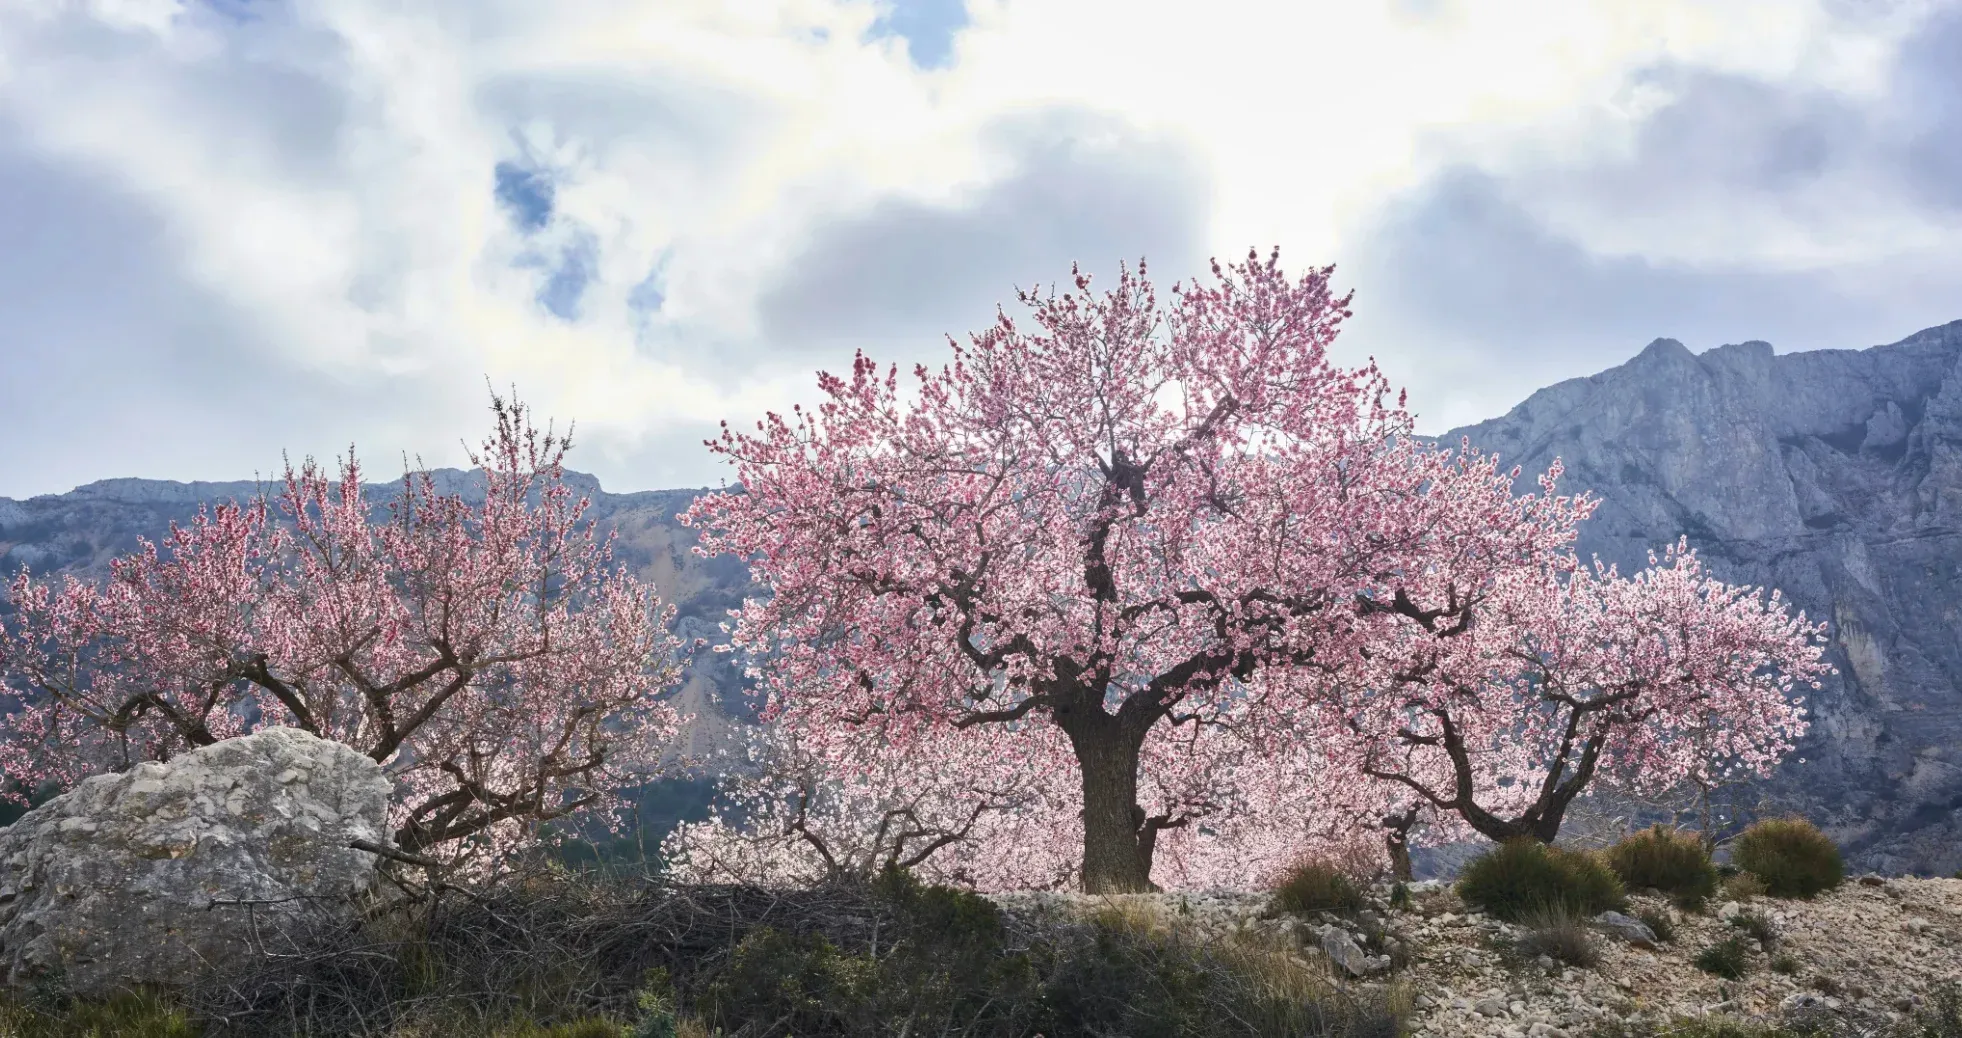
(232, 227)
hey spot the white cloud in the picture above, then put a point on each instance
(321, 172)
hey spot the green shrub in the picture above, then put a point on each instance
(961, 916)
(1144, 981)
(590, 1027)
(802, 982)
(1660, 923)
(1728, 958)
(130, 1015)
(1662, 859)
(1520, 875)
(1743, 887)
(1316, 886)
(1791, 856)
(1757, 925)
(1559, 934)
(1943, 1016)
(1785, 964)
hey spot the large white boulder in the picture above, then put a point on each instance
(150, 875)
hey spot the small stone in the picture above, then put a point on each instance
(1490, 1007)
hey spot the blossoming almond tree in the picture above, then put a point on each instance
(489, 654)
(1570, 675)
(943, 805)
(1106, 525)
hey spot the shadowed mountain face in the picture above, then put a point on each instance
(1835, 476)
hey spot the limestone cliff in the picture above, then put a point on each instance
(1834, 475)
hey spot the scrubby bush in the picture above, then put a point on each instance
(139, 1014)
(1659, 922)
(1521, 875)
(1728, 958)
(571, 956)
(1557, 933)
(1757, 926)
(1791, 855)
(1662, 859)
(1317, 886)
(1785, 964)
(1743, 886)
(1943, 1016)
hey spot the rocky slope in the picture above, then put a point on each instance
(1835, 476)
(1858, 960)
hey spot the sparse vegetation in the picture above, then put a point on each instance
(567, 956)
(1520, 876)
(1728, 958)
(1757, 926)
(1661, 923)
(1785, 963)
(1791, 856)
(1665, 860)
(1557, 933)
(1943, 1016)
(1743, 886)
(1318, 886)
(132, 1015)
(1699, 1027)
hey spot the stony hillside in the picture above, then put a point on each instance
(1864, 959)
(1835, 476)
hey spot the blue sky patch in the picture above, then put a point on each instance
(647, 297)
(561, 293)
(526, 194)
(928, 26)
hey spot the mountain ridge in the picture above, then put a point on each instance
(1833, 475)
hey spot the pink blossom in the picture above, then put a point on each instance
(490, 655)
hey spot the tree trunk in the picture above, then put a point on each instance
(1540, 822)
(1396, 838)
(1116, 850)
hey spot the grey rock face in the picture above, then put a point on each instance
(1834, 476)
(136, 877)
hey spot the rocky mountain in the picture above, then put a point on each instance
(1835, 476)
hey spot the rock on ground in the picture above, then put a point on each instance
(149, 875)
(1854, 960)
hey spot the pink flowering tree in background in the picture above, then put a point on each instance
(809, 811)
(1102, 528)
(1574, 674)
(488, 653)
